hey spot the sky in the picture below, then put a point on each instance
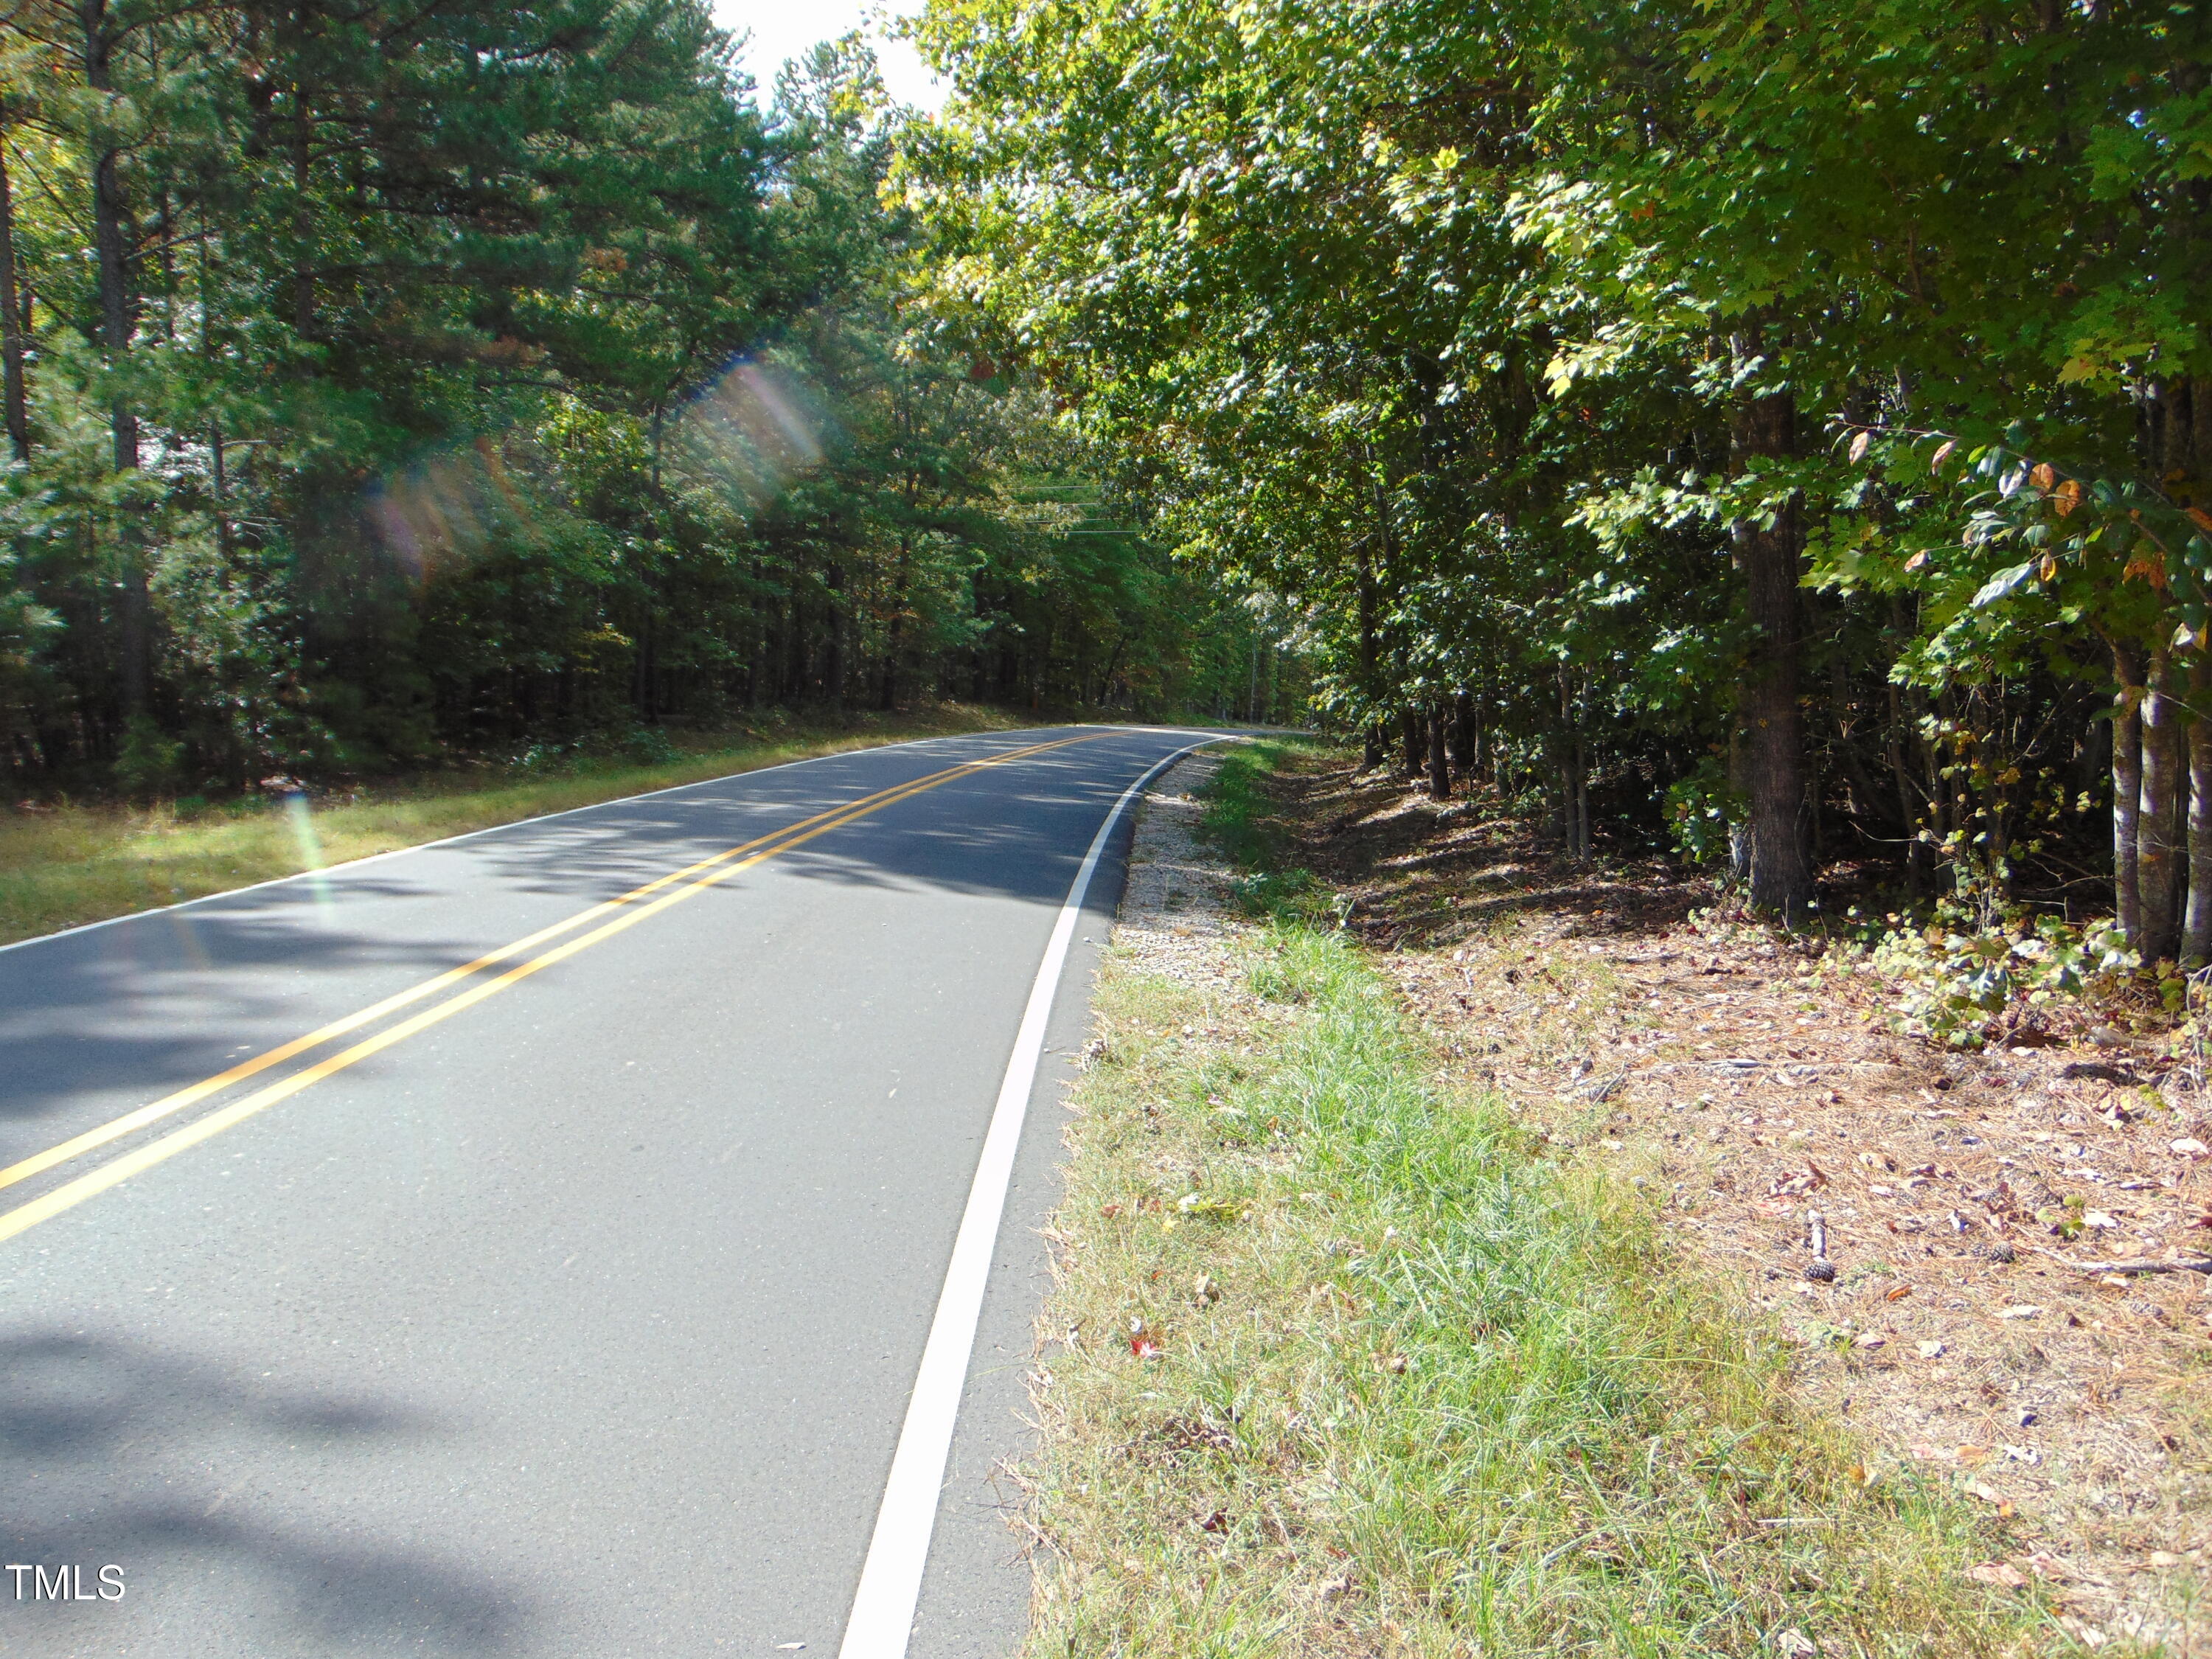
(784, 28)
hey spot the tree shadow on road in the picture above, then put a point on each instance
(200, 1484)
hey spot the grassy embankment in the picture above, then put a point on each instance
(73, 863)
(1352, 1367)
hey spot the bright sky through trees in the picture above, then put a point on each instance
(780, 31)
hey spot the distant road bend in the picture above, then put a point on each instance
(611, 1233)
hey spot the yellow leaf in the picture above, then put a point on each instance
(1859, 446)
(2043, 475)
(2199, 517)
(2067, 496)
(2145, 567)
(1919, 561)
(2047, 569)
(1942, 454)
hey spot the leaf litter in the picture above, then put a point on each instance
(1961, 1247)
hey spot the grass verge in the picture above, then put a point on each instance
(1343, 1362)
(69, 864)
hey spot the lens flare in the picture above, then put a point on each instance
(308, 845)
(450, 507)
(748, 432)
(744, 436)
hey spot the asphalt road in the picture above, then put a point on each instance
(568, 1311)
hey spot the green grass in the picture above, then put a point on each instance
(1419, 1389)
(1242, 821)
(76, 864)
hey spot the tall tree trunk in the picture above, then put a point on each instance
(2197, 925)
(1439, 766)
(302, 138)
(112, 268)
(1772, 558)
(2160, 849)
(2127, 791)
(1574, 785)
(218, 482)
(1409, 735)
(833, 665)
(1465, 741)
(893, 642)
(1581, 799)
(1909, 799)
(1376, 744)
(13, 400)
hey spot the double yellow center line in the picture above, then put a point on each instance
(624, 912)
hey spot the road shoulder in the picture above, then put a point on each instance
(1342, 1358)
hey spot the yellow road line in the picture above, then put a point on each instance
(789, 836)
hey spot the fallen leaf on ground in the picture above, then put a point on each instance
(2002, 1574)
(2044, 1565)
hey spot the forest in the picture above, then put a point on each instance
(1782, 430)
(387, 384)
(1782, 434)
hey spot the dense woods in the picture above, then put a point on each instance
(1791, 428)
(387, 382)
(1783, 431)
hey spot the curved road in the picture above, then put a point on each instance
(528, 1244)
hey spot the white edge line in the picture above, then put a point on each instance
(881, 1619)
(329, 870)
